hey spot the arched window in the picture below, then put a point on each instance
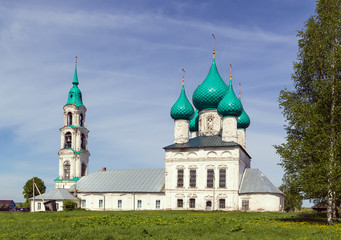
(68, 140)
(81, 120)
(66, 170)
(83, 169)
(83, 141)
(69, 119)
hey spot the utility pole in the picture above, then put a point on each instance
(34, 203)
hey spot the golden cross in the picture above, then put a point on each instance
(213, 45)
(183, 76)
(230, 71)
(76, 60)
(240, 89)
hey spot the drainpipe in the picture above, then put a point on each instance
(103, 202)
(134, 200)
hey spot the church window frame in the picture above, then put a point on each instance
(139, 203)
(83, 169)
(83, 141)
(180, 178)
(210, 178)
(180, 203)
(158, 204)
(192, 178)
(192, 203)
(39, 206)
(119, 203)
(222, 178)
(67, 170)
(222, 203)
(69, 119)
(245, 205)
(100, 203)
(83, 203)
(81, 120)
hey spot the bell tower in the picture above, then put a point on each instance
(73, 153)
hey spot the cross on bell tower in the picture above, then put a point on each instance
(73, 154)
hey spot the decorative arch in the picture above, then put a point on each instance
(192, 155)
(68, 140)
(69, 118)
(212, 154)
(178, 155)
(226, 154)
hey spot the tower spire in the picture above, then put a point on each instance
(213, 45)
(183, 76)
(75, 77)
(230, 71)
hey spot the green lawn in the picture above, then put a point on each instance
(166, 225)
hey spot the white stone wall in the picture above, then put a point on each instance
(241, 133)
(181, 131)
(129, 201)
(263, 202)
(229, 129)
(59, 205)
(201, 160)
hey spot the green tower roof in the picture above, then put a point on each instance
(230, 104)
(193, 124)
(243, 121)
(182, 108)
(211, 91)
(75, 94)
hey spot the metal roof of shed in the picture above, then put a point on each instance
(203, 141)
(57, 194)
(254, 181)
(123, 180)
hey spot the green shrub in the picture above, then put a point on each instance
(69, 205)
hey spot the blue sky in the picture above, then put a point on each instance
(130, 55)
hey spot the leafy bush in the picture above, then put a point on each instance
(69, 205)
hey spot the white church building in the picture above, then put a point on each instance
(206, 168)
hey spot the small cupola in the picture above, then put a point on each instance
(230, 106)
(75, 94)
(182, 108)
(212, 90)
(243, 120)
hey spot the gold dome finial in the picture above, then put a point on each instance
(76, 60)
(230, 71)
(183, 76)
(213, 45)
(240, 89)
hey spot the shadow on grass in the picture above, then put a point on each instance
(311, 217)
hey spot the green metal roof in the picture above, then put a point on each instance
(203, 141)
(230, 104)
(182, 108)
(211, 91)
(193, 124)
(75, 94)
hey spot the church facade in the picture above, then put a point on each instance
(206, 168)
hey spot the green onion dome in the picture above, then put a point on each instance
(230, 105)
(193, 124)
(243, 121)
(182, 108)
(75, 94)
(211, 91)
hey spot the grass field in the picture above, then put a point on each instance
(166, 225)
